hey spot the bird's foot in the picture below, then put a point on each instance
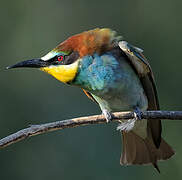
(107, 115)
(137, 114)
(129, 124)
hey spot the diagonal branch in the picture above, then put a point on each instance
(97, 119)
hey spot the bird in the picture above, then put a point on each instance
(117, 76)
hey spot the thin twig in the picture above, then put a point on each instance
(70, 123)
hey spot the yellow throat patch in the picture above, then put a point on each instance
(64, 73)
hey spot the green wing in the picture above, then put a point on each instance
(143, 69)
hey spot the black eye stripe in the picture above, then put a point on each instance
(67, 59)
(71, 58)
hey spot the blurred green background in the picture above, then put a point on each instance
(30, 29)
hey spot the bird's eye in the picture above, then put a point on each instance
(60, 58)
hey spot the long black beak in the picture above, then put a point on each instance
(33, 63)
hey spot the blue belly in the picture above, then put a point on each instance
(112, 82)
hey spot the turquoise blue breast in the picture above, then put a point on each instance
(112, 81)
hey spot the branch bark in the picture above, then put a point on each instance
(96, 119)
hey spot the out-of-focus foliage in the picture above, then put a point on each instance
(30, 29)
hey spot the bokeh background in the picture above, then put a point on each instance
(30, 29)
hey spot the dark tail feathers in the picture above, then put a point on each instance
(143, 151)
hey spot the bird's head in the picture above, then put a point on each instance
(63, 61)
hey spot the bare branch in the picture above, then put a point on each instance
(70, 123)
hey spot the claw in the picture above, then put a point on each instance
(137, 114)
(107, 115)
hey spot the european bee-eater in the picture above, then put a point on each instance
(117, 76)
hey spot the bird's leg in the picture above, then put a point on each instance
(129, 124)
(107, 115)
